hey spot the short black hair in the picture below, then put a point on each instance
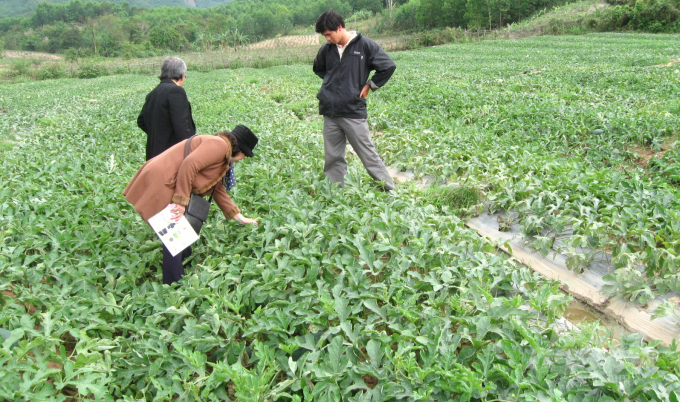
(234, 142)
(329, 21)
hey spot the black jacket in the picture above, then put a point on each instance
(165, 118)
(344, 78)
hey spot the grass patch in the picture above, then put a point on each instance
(303, 109)
(448, 199)
(571, 19)
(5, 145)
(651, 61)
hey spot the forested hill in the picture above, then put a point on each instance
(12, 8)
(111, 29)
(124, 29)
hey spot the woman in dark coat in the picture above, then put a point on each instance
(170, 178)
(166, 114)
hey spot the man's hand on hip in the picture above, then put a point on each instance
(364, 91)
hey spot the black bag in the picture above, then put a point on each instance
(197, 210)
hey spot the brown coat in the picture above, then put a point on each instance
(169, 177)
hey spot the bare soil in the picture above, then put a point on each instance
(669, 64)
(370, 381)
(287, 41)
(645, 154)
(597, 7)
(13, 54)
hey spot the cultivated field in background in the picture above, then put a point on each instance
(348, 294)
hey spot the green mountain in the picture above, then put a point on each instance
(14, 8)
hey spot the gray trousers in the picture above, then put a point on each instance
(336, 132)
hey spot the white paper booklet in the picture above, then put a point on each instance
(176, 236)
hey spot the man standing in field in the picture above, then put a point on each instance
(345, 63)
(166, 114)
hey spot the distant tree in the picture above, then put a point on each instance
(136, 29)
(166, 37)
(225, 40)
(91, 24)
(303, 15)
(110, 35)
(455, 12)
(479, 13)
(390, 6)
(44, 14)
(265, 25)
(282, 20)
(219, 23)
(246, 25)
(71, 37)
(239, 38)
(340, 6)
(75, 12)
(188, 31)
(441, 13)
(13, 38)
(406, 16)
(7, 24)
(204, 41)
(373, 6)
(32, 42)
(62, 36)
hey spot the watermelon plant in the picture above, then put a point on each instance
(342, 294)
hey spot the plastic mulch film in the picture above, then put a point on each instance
(585, 286)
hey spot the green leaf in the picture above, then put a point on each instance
(11, 338)
(372, 305)
(465, 354)
(347, 329)
(482, 327)
(375, 352)
(340, 304)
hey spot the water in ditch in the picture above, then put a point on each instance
(578, 313)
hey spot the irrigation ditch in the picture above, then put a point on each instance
(590, 304)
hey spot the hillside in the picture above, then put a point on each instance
(81, 29)
(15, 8)
(571, 18)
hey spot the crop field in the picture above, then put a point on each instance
(288, 42)
(349, 294)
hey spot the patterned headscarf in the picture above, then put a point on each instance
(229, 179)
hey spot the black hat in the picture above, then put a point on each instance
(246, 139)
